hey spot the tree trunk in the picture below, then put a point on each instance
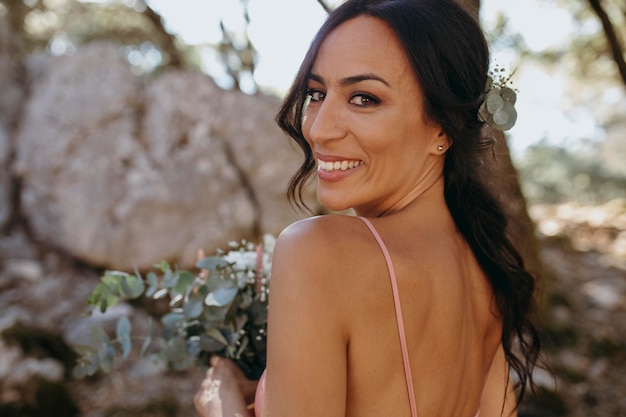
(611, 37)
(503, 180)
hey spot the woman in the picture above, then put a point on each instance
(413, 306)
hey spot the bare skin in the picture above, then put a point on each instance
(333, 346)
(225, 391)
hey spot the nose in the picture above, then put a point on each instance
(324, 120)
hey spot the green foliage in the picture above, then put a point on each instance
(551, 174)
(222, 310)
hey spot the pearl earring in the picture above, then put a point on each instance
(440, 148)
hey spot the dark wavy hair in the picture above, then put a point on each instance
(450, 56)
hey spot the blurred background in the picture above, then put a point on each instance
(136, 131)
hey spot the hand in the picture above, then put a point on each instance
(225, 392)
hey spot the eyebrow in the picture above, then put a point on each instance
(352, 79)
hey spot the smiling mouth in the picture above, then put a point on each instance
(337, 165)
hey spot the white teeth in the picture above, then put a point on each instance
(337, 165)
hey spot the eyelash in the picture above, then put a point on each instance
(370, 99)
(311, 93)
(367, 98)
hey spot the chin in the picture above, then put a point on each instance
(333, 204)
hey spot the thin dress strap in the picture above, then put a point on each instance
(399, 320)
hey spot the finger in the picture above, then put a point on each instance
(215, 359)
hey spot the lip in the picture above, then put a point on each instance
(337, 173)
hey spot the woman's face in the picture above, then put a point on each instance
(365, 122)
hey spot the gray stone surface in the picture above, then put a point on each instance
(11, 96)
(121, 172)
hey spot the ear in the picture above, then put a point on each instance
(444, 137)
(442, 143)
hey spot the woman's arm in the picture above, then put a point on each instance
(498, 397)
(307, 337)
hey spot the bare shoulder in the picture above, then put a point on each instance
(316, 262)
(321, 236)
(323, 249)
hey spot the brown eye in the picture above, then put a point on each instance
(316, 95)
(363, 100)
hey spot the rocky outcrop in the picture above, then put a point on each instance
(120, 171)
(117, 171)
(11, 96)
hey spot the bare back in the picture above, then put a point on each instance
(334, 296)
(452, 332)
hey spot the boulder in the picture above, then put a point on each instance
(122, 171)
(11, 96)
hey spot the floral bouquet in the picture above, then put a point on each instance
(221, 310)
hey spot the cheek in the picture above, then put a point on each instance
(307, 121)
(307, 138)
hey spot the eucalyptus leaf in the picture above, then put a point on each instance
(240, 321)
(246, 300)
(213, 281)
(203, 290)
(244, 341)
(163, 266)
(84, 350)
(231, 351)
(214, 314)
(132, 287)
(171, 323)
(79, 371)
(217, 335)
(193, 346)
(148, 340)
(210, 344)
(494, 102)
(123, 329)
(88, 362)
(103, 297)
(212, 263)
(170, 278)
(106, 351)
(508, 94)
(145, 345)
(220, 296)
(153, 284)
(184, 282)
(175, 350)
(106, 354)
(99, 335)
(112, 280)
(114, 273)
(193, 307)
(93, 365)
(172, 319)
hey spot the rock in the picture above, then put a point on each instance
(28, 269)
(136, 172)
(11, 95)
